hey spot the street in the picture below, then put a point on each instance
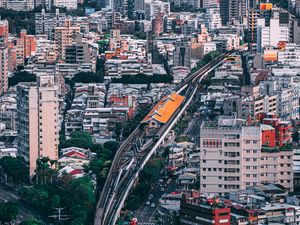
(25, 211)
(147, 215)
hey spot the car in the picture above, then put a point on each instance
(152, 205)
(147, 202)
(150, 196)
(162, 189)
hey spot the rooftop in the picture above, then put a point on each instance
(165, 108)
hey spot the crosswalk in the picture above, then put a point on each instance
(147, 223)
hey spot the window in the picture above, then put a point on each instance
(220, 169)
(204, 185)
(248, 167)
(254, 175)
(220, 185)
(204, 177)
(204, 169)
(204, 161)
(220, 161)
(209, 169)
(247, 175)
(215, 169)
(220, 178)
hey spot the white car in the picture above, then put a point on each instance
(147, 203)
(152, 205)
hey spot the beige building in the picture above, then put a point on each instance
(3, 56)
(231, 158)
(65, 36)
(38, 120)
(277, 167)
(3, 69)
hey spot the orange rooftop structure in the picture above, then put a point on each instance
(163, 110)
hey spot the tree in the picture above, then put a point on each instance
(78, 139)
(8, 212)
(21, 76)
(44, 174)
(15, 168)
(31, 221)
(86, 77)
(144, 79)
(296, 137)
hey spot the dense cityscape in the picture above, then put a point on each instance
(149, 112)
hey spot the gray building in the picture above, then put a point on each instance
(46, 22)
(182, 53)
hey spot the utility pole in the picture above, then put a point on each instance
(59, 216)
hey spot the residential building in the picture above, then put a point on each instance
(182, 54)
(69, 4)
(18, 5)
(4, 56)
(38, 120)
(195, 211)
(232, 157)
(65, 36)
(46, 22)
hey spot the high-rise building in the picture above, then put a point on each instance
(44, 3)
(46, 22)
(271, 35)
(234, 156)
(4, 30)
(65, 36)
(38, 120)
(78, 53)
(206, 4)
(192, 3)
(182, 54)
(229, 10)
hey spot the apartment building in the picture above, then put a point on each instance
(231, 158)
(69, 4)
(4, 56)
(272, 34)
(182, 54)
(65, 36)
(46, 22)
(276, 166)
(18, 5)
(38, 120)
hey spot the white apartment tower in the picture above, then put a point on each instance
(38, 120)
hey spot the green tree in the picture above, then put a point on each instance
(15, 168)
(78, 139)
(8, 212)
(86, 77)
(21, 76)
(31, 221)
(44, 174)
(296, 137)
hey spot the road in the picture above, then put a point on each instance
(25, 211)
(147, 215)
